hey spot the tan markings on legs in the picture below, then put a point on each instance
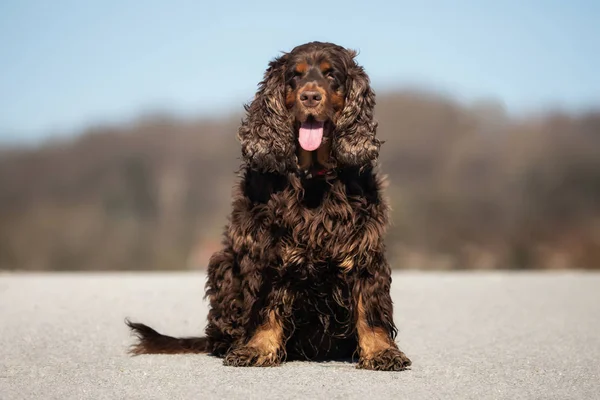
(265, 348)
(268, 338)
(371, 340)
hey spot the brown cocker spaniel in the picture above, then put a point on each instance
(303, 273)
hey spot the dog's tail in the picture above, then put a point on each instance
(152, 342)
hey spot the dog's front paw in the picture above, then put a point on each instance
(248, 356)
(390, 359)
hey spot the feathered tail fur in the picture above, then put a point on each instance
(152, 342)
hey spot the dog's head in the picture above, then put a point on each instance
(314, 106)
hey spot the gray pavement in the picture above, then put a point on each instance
(481, 335)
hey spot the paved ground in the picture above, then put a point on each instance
(470, 336)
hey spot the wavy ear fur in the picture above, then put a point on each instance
(355, 143)
(266, 133)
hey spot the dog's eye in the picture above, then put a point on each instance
(329, 74)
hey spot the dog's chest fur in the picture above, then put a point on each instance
(315, 223)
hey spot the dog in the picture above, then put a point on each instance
(302, 274)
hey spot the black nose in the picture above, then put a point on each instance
(310, 98)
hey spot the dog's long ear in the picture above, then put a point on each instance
(267, 133)
(355, 143)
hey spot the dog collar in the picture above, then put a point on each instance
(317, 173)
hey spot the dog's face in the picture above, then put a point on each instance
(315, 92)
(313, 108)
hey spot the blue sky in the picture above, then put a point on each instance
(65, 65)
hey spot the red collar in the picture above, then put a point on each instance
(319, 172)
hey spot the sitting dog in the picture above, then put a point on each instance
(302, 273)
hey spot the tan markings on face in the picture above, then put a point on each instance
(290, 98)
(325, 66)
(337, 101)
(302, 67)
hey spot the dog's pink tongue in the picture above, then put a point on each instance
(311, 135)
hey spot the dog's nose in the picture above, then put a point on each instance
(310, 98)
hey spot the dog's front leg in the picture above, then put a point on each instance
(374, 321)
(264, 349)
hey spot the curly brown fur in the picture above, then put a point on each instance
(302, 273)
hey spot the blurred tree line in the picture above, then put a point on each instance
(470, 186)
